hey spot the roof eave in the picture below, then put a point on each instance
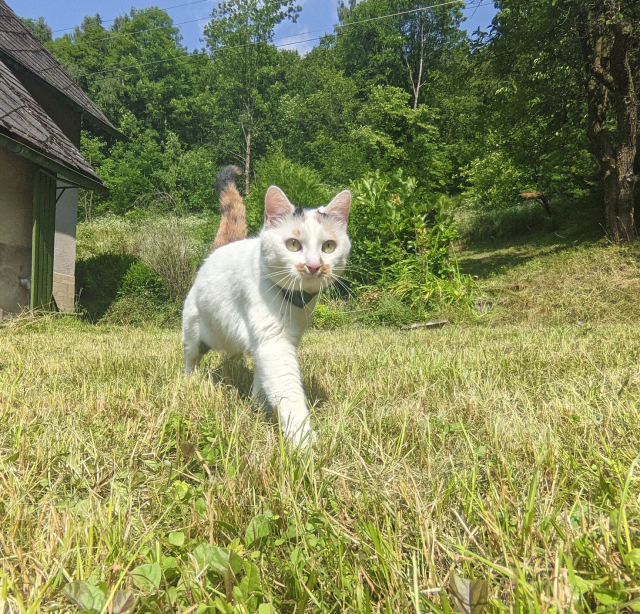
(96, 121)
(71, 175)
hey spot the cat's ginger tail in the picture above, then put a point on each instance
(233, 221)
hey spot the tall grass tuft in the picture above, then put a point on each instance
(164, 246)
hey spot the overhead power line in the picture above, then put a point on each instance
(122, 34)
(297, 42)
(166, 8)
(181, 23)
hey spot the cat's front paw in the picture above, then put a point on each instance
(303, 437)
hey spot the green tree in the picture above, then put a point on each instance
(392, 134)
(314, 117)
(238, 37)
(137, 66)
(38, 27)
(577, 63)
(516, 139)
(407, 50)
(142, 77)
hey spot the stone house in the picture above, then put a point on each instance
(42, 111)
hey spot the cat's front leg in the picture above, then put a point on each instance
(277, 382)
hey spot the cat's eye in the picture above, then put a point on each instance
(328, 247)
(293, 245)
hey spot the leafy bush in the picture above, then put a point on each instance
(385, 308)
(98, 280)
(494, 182)
(150, 173)
(391, 134)
(302, 185)
(329, 316)
(140, 255)
(142, 280)
(132, 310)
(392, 222)
(402, 243)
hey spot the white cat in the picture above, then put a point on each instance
(257, 295)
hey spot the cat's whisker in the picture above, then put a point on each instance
(271, 276)
(289, 306)
(278, 294)
(274, 285)
(341, 283)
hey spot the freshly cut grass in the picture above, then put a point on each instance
(506, 452)
(557, 283)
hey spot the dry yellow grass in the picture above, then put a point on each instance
(503, 452)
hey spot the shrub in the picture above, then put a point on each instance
(98, 280)
(417, 286)
(329, 316)
(494, 182)
(164, 247)
(141, 280)
(402, 242)
(140, 310)
(301, 184)
(385, 308)
(150, 173)
(392, 222)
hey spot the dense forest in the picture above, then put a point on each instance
(545, 102)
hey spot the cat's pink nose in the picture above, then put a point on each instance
(313, 268)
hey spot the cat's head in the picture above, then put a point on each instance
(304, 249)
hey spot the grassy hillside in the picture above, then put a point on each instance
(503, 448)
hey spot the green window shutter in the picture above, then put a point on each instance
(44, 228)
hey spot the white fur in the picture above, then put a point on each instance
(236, 306)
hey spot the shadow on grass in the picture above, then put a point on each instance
(98, 280)
(483, 263)
(483, 256)
(236, 373)
(496, 241)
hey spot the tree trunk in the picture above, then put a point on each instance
(626, 108)
(417, 85)
(247, 130)
(420, 68)
(247, 164)
(610, 78)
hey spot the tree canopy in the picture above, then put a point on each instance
(546, 101)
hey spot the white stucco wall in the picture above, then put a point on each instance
(64, 251)
(16, 225)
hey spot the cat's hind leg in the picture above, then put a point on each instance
(194, 348)
(193, 354)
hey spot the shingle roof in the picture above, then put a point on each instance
(23, 120)
(18, 45)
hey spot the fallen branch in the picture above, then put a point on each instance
(431, 324)
(541, 197)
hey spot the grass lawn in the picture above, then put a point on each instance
(503, 449)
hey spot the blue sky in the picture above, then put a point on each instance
(317, 17)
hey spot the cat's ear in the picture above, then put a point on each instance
(276, 206)
(339, 207)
